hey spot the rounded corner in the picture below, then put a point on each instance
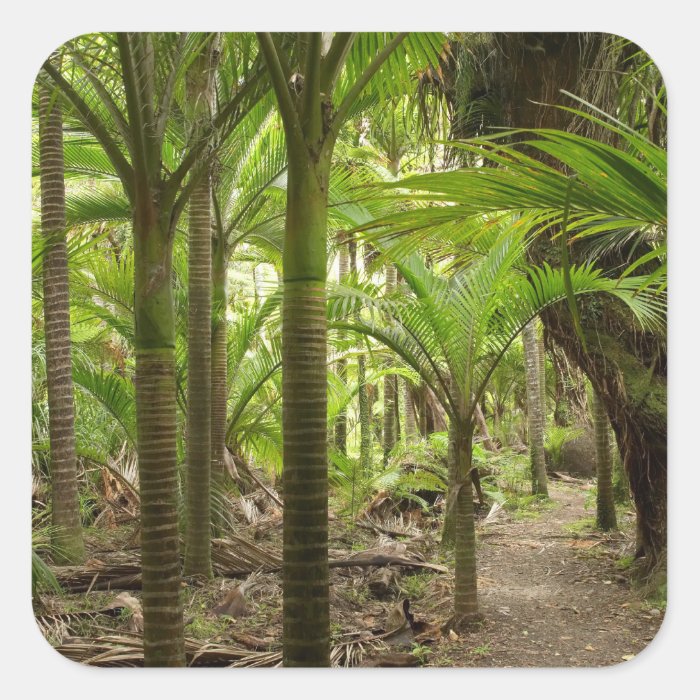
(633, 42)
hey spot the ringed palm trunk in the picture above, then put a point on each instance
(390, 386)
(341, 422)
(219, 379)
(466, 607)
(198, 506)
(411, 425)
(65, 512)
(448, 526)
(365, 417)
(605, 502)
(535, 419)
(305, 581)
(362, 397)
(543, 377)
(199, 407)
(156, 436)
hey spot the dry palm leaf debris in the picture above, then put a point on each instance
(127, 650)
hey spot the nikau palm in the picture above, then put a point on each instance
(68, 538)
(535, 412)
(616, 203)
(146, 70)
(306, 82)
(200, 80)
(175, 164)
(453, 332)
(606, 518)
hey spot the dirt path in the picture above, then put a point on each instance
(550, 596)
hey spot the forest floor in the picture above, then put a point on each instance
(552, 591)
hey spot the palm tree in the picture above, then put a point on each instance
(200, 84)
(535, 413)
(453, 332)
(123, 89)
(247, 211)
(307, 81)
(391, 385)
(605, 501)
(363, 406)
(341, 422)
(622, 80)
(617, 213)
(67, 538)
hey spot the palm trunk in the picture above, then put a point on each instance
(341, 421)
(541, 370)
(304, 414)
(411, 425)
(157, 437)
(67, 539)
(605, 503)
(448, 525)
(423, 410)
(362, 397)
(535, 419)
(199, 375)
(466, 607)
(390, 386)
(486, 440)
(198, 504)
(219, 379)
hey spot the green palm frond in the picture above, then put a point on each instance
(114, 392)
(106, 203)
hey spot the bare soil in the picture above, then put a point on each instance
(552, 597)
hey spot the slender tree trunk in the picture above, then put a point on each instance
(362, 397)
(448, 524)
(605, 503)
(156, 425)
(390, 385)
(219, 379)
(541, 369)
(486, 440)
(67, 538)
(535, 419)
(411, 425)
(423, 411)
(341, 421)
(465, 606)
(365, 418)
(198, 505)
(304, 413)
(561, 406)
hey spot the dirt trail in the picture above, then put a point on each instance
(551, 597)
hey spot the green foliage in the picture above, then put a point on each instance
(555, 437)
(207, 627)
(415, 586)
(421, 651)
(412, 468)
(43, 579)
(509, 471)
(482, 650)
(581, 526)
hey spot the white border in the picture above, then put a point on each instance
(666, 31)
